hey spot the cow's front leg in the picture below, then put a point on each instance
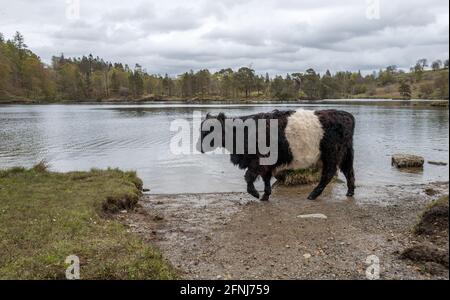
(267, 187)
(250, 177)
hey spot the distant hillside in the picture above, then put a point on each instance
(428, 85)
(24, 78)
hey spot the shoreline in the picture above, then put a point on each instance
(232, 236)
(60, 214)
(214, 235)
(379, 101)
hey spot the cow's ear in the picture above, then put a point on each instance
(208, 115)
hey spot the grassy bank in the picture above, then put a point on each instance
(45, 216)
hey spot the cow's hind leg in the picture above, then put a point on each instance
(267, 186)
(347, 168)
(328, 171)
(250, 177)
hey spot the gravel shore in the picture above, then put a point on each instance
(232, 236)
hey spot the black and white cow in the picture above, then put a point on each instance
(305, 138)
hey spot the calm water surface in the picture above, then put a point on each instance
(137, 137)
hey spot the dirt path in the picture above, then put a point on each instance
(232, 236)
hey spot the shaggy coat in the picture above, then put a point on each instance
(305, 139)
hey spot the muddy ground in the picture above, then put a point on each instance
(233, 236)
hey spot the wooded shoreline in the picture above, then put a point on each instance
(145, 101)
(24, 78)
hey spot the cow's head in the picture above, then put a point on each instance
(211, 133)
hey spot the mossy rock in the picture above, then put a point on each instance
(299, 176)
(426, 253)
(402, 160)
(434, 219)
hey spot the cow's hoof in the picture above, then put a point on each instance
(265, 197)
(254, 194)
(312, 197)
(350, 194)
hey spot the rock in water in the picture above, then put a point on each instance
(407, 161)
(437, 163)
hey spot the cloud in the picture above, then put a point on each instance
(275, 36)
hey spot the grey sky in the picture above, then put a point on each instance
(275, 36)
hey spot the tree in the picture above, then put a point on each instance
(441, 86)
(423, 62)
(18, 54)
(186, 84)
(115, 83)
(425, 90)
(328, 86)
(310, 84)
(167, 85)
(277, 87)
(19, 41)
(5, 72)
(225, 77)
(139, 84)
(388, 76)
(259, 84)
(70, 83)
(245, 80)
(391, 69)
(203, 81)
(405, 90)
(436, 65)
(418, 71)
(266, 87)
(131, 84)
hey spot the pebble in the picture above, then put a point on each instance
(312, 216)
(158, 218)
(307, 255)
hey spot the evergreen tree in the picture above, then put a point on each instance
(405, 90)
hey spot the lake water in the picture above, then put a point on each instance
(137, 137)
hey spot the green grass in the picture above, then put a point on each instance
(442, 201)
(45, 217)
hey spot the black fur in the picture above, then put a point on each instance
(336, 150)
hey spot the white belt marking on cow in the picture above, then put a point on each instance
(303, 133)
